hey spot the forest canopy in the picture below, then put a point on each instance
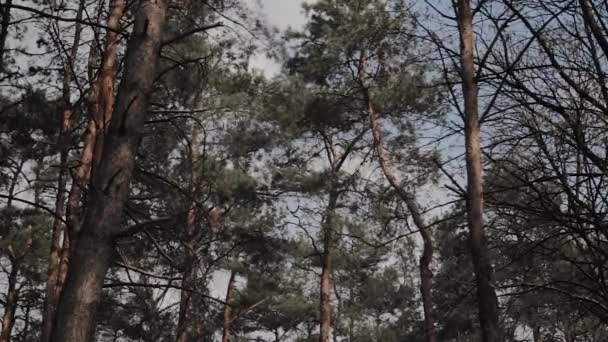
(385, 170)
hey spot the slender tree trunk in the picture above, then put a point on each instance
(325, 293)
(569, 337)
(5, 14)
(185, 323)
(53, 290)
(16, 257)
(426, 276)
(484, 274)
(351, 319)
(54, 278)
(110, 183)
(536, 335)
(228, 309)
(326, 267)
(10, 305)
(27, 316)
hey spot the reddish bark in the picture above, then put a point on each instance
(426, 275)
(99, 117)
(54, 277)
(94, 248)
(325, 306)
(100, 107)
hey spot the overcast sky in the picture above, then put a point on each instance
(282, 14)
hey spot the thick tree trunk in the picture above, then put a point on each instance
(228, 308)
(484, 274)
(326, 267)
(101, 105)
(426, 276)
(10, 305)
(77, 310)
(55, 278)
(110, 182)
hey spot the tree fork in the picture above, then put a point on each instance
(94, 249)
(426, 275)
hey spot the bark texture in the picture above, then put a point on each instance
(110, 183)
(100, 107)
(484, 274)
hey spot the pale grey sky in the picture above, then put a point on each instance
(282, 14)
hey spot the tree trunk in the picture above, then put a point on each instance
(107, 72)
(100, 112)
(570, 337)
(110, 182)
(192, 235)
(54, 283)
(426, 276)
(184, 323)
(325, 294)
(100, 107)
(326, 259)
(5, 13)
(228, 309)
(78, 306)
(10, 305)
(484, 274)
(536, 335)
(53, 290)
